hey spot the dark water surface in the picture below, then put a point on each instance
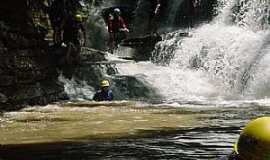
(189, 144)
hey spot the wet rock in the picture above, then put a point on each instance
(6, 80)
(3, 50)
(27, 76)
(3, 98)
(92, 55)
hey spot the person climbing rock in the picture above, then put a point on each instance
(73, 30)
(69, 28)
(154, 16)
(117, 28)
(73, 37)
(67, 17)
(57, 13)
(104, 94)
(254, 141)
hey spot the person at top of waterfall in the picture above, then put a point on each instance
(154, 15)
(254, 141)
(73, 26)
(72, 32)
(117, 27)
(104, 94)
(67, 19)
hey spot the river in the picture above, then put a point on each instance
(127, 130)
(207, 87)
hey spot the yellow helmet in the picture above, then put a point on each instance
(78, 18)
(104, 83)
(254, 140)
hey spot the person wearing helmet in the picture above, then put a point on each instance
(73, 27)
(104, 94)
(73, 32)
(73, 37)
(116, 27)
(254, 141)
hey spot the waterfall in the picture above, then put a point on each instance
(226, 51)
(226, 58)
(252, 14)
(221, 59)
(173, 8)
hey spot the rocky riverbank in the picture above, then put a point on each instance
(26, 74)
(28, 66)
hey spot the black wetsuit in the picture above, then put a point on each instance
(71, 31)
(102, 95)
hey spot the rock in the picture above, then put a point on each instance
(25, 64)
(6, 80)
(92, 55)
(3, 98)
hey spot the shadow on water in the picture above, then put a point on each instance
(205, 142)
(189, 144)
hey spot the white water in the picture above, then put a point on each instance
(169, 82)
(77, 90)
(227, 58)
(225, 52)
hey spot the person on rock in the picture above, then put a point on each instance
(73, 37)
(72, 30)
(117, 28)
(67, 19)
(104, 94)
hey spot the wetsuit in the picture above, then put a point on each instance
(103, 95)
(57, 13)
(71, 31)
(115, 24)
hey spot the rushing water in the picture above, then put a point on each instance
(222, 59)
(220, 73)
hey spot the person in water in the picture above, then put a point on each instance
(254, 142)
(104, 94)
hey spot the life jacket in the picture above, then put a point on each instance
(115, 24)
(103, 96)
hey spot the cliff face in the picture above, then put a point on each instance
(26, 74)
(27, 66)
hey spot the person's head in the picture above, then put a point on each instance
(254, 140)
(117, 12)
(78, 18)
(104, 84)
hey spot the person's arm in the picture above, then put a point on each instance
(110, 95)
(123, 24)
(61, 29)
(96, 97)
(110, 28)
(84, 34)
(110, 24)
